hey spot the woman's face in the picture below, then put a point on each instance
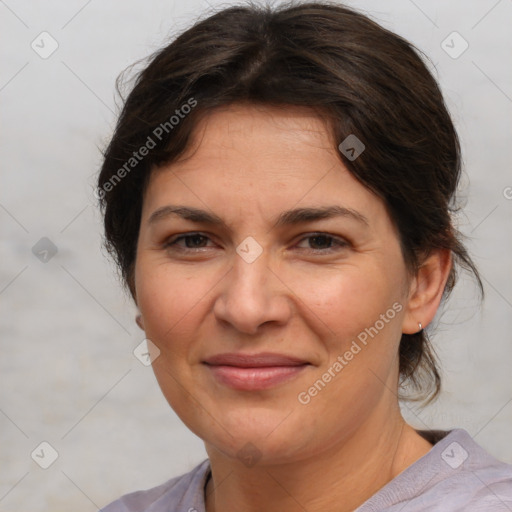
(260, 243)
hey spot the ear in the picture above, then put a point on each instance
(139, 320)
(426, 290)
(138, 317)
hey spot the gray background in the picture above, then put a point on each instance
(68, 375)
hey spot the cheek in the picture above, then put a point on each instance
(170, 303)
(348, 299)
(168, 300)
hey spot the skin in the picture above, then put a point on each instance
(303, 296)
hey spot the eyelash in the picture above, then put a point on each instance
(172, 243)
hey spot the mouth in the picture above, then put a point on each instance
(254, 372)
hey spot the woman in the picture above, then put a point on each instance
(278, 196)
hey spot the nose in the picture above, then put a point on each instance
(251, 295)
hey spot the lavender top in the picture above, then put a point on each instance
(455, 475)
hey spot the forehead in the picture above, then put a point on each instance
(257, 132)
(260, 158)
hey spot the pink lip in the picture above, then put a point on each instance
(254, 372)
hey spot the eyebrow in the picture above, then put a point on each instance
(290, 217)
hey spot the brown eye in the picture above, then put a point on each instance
(192, 241)
(322, 242)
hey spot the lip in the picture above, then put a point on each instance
(263, 359)
(254, 372)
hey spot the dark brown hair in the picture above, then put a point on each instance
(363, 79)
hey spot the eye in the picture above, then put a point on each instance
(319, 243)
(323, 243)
(191, 241)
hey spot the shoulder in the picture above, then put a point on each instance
(186, 490)
(457, 475)
(466, 477)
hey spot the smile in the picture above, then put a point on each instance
(254, 372)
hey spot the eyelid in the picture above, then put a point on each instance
(171, 240)
(339, 242)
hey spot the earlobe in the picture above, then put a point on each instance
(426, 291)
(139, 321)
(138, 317)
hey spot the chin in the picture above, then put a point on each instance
(265, 439)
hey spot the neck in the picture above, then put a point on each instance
(341, 478)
